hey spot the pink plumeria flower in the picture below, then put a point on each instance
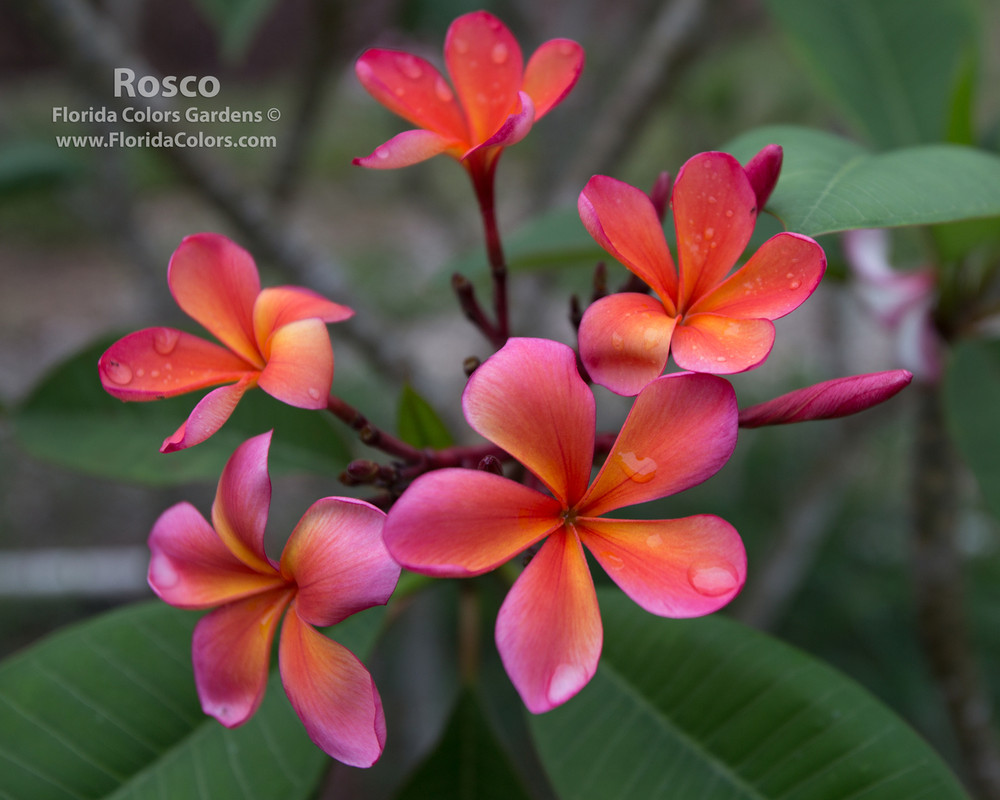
(529, 399)
(333, 565)
(708, 319)
(273, 338)
(491, 102)
(902, 302)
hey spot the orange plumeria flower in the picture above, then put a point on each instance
(273, 338)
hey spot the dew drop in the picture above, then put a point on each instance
(709, 233)
(711, 199)
(720, 359)
(794, 284)
(382, 152)
(140, 372)
(612, 561)
(641, 470)
(713, 578)
(650, 338)
(499, 53)
(118, 372)
(654, 541)
(617, 341)
(443, 91)
(566, 681)
(565, 49)
(409, 66)
(399, 91)
(154, 374)
(314, 393)
(729, 212)
(462, 46)
(165, 340)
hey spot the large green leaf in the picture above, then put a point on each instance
(418, 423)
(893, 66)
(71, 421)
(709, 708)
(830, 184)
(108, 709)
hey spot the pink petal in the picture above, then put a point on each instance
(413, 88)
(681, 430)
(836, 398)
(623, 220)
(411, 147)
(625, 341)
(208, 416)
(721, 345)
(514, 128)
(529, 399)
(278, 306)
(338, 560)
(551, 73)
(549, 628)
(190, 567)
(333, 694)
(762, 171)
(714, 214)
(486, 67)
(673, 567)
(889, 293)
(215, 282)
(461, 522)
(299, 367)
(775, 281)
(231, 653)
(242, 500)
(162, 362)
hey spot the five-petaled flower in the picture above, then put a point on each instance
(274, 338)
(333, 565)
(492, 101)
(709, 322)
(529, 399)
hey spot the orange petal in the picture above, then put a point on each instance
(231, 652)
(548, 630)
(529, 399)
(208, 416)
(299, 367)
(721, 345)
(672, 567)
(514, 128)
(714, 214)
(215, 282)
(551, 73)
(682, 428)
(625, 341)
(486, 67)
(332, 692)
(624, 222)
(276, 307)
(411, 147)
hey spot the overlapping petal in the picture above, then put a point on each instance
(505, 398)
(410, 147)
(460, 522)
(721, 344)
(549, 632)
(208, 415)
(332, 692)
(338, 560)
(277, 306)
(514, 128)
(299, 369)
(674, 568)
(242, 501)
(551, 72)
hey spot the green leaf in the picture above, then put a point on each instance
(831, 184)
(71, 421)
(972, 397)
(33, 165)
(108, 709)
(709, 708)
(236, 22)
(419, 424)
(893, 66)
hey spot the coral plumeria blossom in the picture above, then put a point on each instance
(333, 565)
(709, 322)
(529, 399)
(274, 338)
(492, 101)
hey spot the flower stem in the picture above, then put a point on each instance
(482, 169)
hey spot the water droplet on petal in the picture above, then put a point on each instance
(566, 680)
(409, 66)
(165, 340)
(713, 578)
(729, 212)
(499, 53)
(641, 470)
(617, 341)
(612, 561)
(654, 541)
(140, 372)
(118, 372)
(565, 49)
(721, 359)
(794, 284)
(314, 393)
(462, 46)
(443, 90)
(650, 338)
(709, 233)
(382, 152)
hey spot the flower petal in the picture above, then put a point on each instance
(681, 429)
(762, 171)
(551, 72)
(162, 362)
(215, 282)
(549, 631)
(410, 147)
(625, 341)
(190, 567)
(208, 416)
(242, 501)
(299, 367)
(278, 306)
(332, 692)
(486, 67)
(338, 560)
(775, 281)
(514, 128)
(671, 567)
(414, 89)
(827, 400)
(529, 399)
(461, 522)
(231, 652)
(623, 220)
(721, 345)
(715, 210)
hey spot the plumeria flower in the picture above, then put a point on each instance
(333, 565)
(491, 102)
(273, 338)
(529, 399)
(708, 319)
